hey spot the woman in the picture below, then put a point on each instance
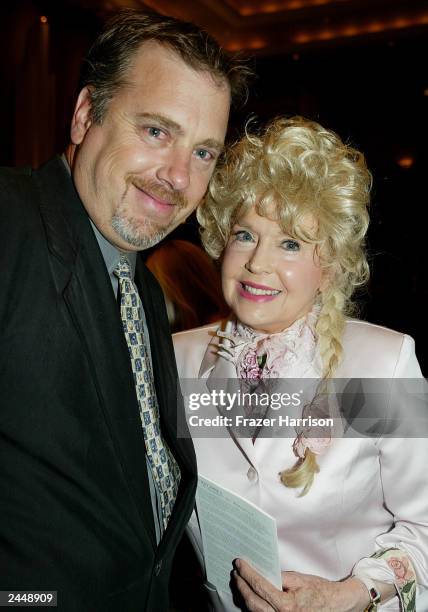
(288, 215)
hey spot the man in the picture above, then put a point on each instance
(95, 488)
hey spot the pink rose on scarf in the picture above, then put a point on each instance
(401, 569)
(249, 368)
(317, 445)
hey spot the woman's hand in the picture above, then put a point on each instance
(302, 592)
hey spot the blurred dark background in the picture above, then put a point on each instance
(356, 66)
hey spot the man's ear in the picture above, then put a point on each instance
(81, 121)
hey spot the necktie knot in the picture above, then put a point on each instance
(123, 268)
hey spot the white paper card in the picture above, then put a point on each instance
(232, 527)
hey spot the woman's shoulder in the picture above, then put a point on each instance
(190, 347)
(372, 350)
(195, 336)
(372, 331)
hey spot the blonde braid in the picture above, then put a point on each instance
(329, 329)
(301, 474)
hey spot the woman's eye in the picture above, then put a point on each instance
(291, 245)
(243, 236)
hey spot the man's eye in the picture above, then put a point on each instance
(154, 132)
(204, 154)
(243, 236)
(291, 245)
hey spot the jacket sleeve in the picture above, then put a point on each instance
(407, 363)
(404, 478)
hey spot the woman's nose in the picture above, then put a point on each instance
(260, 261)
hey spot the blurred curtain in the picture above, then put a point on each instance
(35, 100)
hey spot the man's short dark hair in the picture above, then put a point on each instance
(105, 67)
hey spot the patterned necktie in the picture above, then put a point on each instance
(164, 467)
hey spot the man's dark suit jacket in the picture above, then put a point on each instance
(75, 508)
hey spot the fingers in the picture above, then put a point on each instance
(253, 602)
(259, 594)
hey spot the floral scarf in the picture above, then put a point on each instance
(287, 354)
(291, 353)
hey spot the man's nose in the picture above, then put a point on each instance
(175, 169)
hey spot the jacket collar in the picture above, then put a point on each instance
(211, 359)
(81, 278)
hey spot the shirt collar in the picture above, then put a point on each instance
(110, 253)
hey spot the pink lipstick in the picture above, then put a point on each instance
(257, 293)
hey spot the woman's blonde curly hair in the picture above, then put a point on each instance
(299, 170)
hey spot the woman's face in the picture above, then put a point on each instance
(269, 279)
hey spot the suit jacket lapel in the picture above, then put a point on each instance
(83, 280)
(222, 374)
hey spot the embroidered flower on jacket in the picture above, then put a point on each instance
(401, 569)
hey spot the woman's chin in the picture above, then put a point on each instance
(262, 327)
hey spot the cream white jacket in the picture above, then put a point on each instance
(370, 493)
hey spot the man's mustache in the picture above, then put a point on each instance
(153, 188)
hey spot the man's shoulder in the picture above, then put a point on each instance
(18, 203)
(24, 192)
(15, 181)
(19, 178)
(16, 173)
